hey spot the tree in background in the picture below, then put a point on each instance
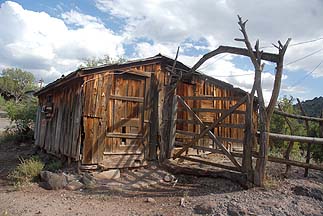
(14, 82)
(280, 126)
(105, 60)
(21, 108)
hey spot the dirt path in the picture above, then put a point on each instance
(293, 196)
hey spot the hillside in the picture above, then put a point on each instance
(313, 107)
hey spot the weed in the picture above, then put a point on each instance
(54, 165)
(27, 171)
(272, 181)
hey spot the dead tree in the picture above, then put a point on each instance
(265, 114)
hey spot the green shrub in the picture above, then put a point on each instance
(2, 102)
(27, 171)
(23, 115)
(54, 165)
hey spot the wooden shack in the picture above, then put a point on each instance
(111, 115)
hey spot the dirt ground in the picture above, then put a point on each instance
(191, 195)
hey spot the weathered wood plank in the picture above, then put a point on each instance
(124, 135)
(127, 98)
(211, 110)
(212, 98)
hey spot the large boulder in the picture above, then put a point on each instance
(52, 181)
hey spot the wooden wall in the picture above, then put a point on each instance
(117, 116)
(58, 125)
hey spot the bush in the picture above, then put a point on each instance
(27, 171)
(54, 165)
(23, 115)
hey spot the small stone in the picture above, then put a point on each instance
(205, 208)
(109, 174)
(74, 185)
(169, 178)
(88, 180)
(182, 202)
(151, 200)
(236, 210)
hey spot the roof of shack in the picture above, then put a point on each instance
(158, 59)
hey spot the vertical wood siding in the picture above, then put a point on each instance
(58, 131)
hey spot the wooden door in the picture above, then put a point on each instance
(126, 130)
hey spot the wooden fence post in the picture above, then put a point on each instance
(166, 123)
(308, 153)
(247, 145)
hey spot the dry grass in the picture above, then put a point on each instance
(27, 171)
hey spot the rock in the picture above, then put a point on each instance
(88, 180)
(236, 210)
(71, 177)
(182, 202)
(205, 208)
(52, 181)
(151, 200)
(169, 178)
(109, 174)
(74, 185)
(309, 192)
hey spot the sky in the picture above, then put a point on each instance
(52, 38)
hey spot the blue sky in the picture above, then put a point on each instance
(51, 38)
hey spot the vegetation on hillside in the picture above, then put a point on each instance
(279, 125)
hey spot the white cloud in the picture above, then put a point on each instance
(48, 46)
(216, 21)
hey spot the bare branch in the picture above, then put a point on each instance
(275, 45)
(247, 42)
(277, 82)
(240, 39)
(233, 50)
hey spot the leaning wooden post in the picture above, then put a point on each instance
(247, 145)
(308, 152)
(167, 113)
